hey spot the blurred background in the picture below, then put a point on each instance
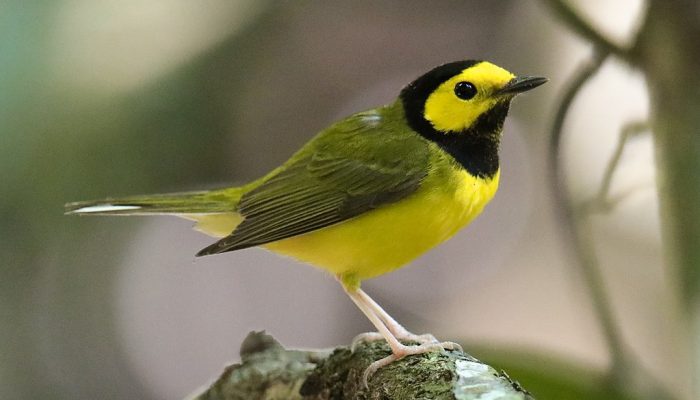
(115, 98)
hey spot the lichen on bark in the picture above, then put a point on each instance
(269, 371)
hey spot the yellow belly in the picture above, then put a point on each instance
(387, 238)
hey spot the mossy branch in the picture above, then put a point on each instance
(269, 371)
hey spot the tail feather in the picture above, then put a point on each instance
(205, 202)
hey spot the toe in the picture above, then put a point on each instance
(426, 338)
(367, 375)
(423, 348)
(404, 351)
(365, 337)
(451, 346)
(420, 339)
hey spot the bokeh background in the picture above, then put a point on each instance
(116, 98)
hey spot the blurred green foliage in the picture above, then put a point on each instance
(547, 377)
(61, 144)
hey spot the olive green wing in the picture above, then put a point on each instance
(352, 168)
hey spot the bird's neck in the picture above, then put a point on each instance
(474, 149)
(479, 156)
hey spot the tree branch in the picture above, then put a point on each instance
(579, 236)
(602, 201)
(566, 13)
(577, 227)
(268, 371)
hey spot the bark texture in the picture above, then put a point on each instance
(269, 371)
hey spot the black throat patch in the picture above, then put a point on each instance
(475, 148)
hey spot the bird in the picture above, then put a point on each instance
(369, 193)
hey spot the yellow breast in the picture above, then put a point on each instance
(384, 239)
(391, 236)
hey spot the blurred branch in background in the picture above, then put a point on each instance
(586, 256)
(602, 202)
(584, 28)
(575, 220)
(666, 49)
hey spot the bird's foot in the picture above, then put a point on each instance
(403, 351)
(426, 338)
(423, 339)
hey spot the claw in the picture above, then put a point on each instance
(428, 338)
(452, 346)
(372, 368)
(365, 337)
(421, 339)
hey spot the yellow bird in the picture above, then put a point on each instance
(369, 193)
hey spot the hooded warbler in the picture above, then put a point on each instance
(369, 193)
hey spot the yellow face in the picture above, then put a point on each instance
(459, 101)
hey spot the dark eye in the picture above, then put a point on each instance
(465, 90)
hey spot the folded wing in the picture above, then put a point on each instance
(345, 172)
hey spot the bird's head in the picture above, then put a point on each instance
(454, 98)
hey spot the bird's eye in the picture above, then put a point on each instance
(465, 90)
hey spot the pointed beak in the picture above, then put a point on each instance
(521, 84)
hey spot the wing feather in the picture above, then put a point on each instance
(339, 175)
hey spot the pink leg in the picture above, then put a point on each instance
(398, 330)
(398, 349)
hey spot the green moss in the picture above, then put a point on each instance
(268, 372)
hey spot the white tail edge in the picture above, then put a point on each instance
(103, 208)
